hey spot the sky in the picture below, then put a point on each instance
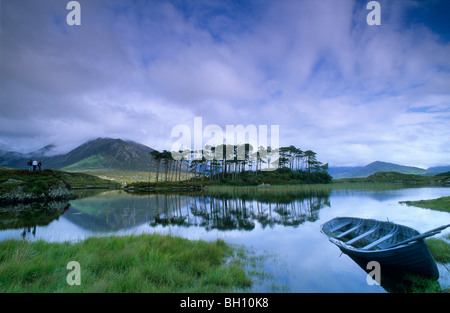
(352, 92)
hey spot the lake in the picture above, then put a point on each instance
(281, 232)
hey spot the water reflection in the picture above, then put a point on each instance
(227, 213)
(285, 226)
(28, 216)
(116, 210)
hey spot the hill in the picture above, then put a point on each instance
(336, 171)
(379, 166)
(399, 178)
(101, 153)
(105, 153)
(439, 169)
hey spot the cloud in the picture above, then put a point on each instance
(351, 92)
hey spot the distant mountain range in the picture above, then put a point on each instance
(101, 153)
(378, 166)
(118, 154)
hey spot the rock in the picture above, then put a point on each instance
(22, 193)
(12, 180)
(59, 192)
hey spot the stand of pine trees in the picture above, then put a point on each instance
(239, 165)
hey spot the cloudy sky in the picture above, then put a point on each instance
(352, 92)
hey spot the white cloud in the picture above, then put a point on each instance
(352, 92)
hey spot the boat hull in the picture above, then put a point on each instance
(414, 256)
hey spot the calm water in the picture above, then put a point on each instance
(283, 233)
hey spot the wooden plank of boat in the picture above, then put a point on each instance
(394, 232)
(340, 226)
(386, 242)
(365, 234)
(352, 229)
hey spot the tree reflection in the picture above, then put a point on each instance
(114, 210)
(236, 213)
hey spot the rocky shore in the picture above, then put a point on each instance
(22, 193)
(23, 186)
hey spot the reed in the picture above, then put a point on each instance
(145, 263)
(301, 188)
(440, 249)
(440, 204)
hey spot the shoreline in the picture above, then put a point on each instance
(23, 186)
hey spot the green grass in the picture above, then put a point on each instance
(94, 161)
(440, 249)
(399, 281)
(38, 182)
(145, 263)
(440, 204)
(124, 176)
(408, 282)
(33, 182)
(398, 179)
(299, 188)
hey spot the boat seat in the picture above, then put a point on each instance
(367, 233)
(394, 232)
(332, 230)
(360, 223)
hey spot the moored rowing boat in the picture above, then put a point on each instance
(390, 244)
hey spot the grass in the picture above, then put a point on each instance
(440, 204)
(38, 182)
(300, 188)
(249, 181)
(33, 182)
(398, 178)
(440, 249)
(216, 187)
(123, 176)
(145, 263)
(407, 282)
(90, 162)
(83, 180)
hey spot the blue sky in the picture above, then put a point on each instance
(353, 93)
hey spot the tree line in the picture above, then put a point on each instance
(230, 162)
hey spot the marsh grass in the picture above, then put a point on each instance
(126, 176)
(145, 263)
(310, 189)
(440, 249)
(408, 282)
(440, 204)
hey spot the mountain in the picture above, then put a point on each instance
(379, 166)
(19, 160)
(101, 153)
(13, 159)
(334, 171)
(439, 169)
